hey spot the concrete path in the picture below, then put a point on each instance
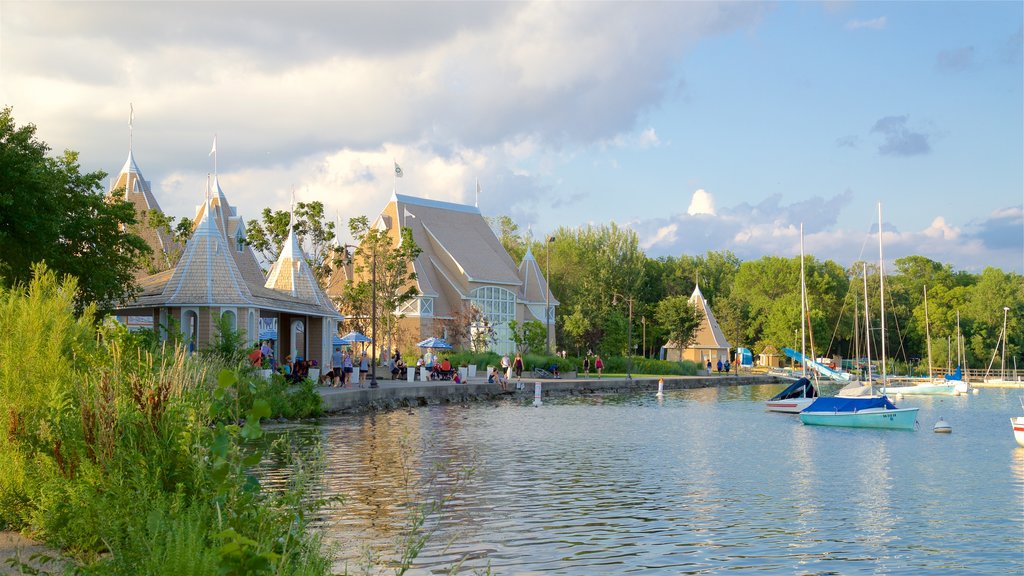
(14, 545)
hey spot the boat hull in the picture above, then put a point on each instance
(1018, 430)
(923, 390)
(788, 406)
(898, 419)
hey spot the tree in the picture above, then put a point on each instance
(377, 261)
(575, 327)
(50, 211)
(508, 234)
(469, 328)
(314, 232)
(529, 336)
(679, 318)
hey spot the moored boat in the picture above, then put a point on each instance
(1018, 430)
(872, 412)
(794, 399)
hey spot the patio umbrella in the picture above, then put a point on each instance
(354, 336)
(338, 341)
(437, 343)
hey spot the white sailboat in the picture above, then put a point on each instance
(801, 393)
(931, 386)
(868, 411)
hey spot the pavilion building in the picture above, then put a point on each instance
(462, 264)
(709, 344)
(217, 277)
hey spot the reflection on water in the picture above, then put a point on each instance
(703, 481)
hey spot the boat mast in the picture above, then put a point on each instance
(927, 332)
(867, 327)
(856, 331)
(881, 288)
(958, 352)
(803, 307)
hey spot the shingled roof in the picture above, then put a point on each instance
(709, 334)
(139, 192)
(534, 291)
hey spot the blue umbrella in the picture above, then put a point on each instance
(337, 341)
(433, 342)
(354, 336)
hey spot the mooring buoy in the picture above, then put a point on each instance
(942, 427)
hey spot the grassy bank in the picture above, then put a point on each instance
(134, 459)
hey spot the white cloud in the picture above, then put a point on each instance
(664, 236)
(873, 24)
(701, 203)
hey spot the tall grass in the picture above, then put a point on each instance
(134, 459)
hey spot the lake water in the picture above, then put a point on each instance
(704, 481)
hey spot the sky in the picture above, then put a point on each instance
(702, 126)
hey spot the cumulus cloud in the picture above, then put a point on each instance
(956, 60)
(900, 140)
(873, 24)
(773, 227)
(701, 203)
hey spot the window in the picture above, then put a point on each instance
(240, 241)
(499, 306)
(426, 306)
(230, 319)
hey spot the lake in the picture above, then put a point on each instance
(704, 481)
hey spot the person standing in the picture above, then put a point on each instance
(506, 366)
(337, 365)
(598, 365)
(719, 366)
(256, 356)
(346, 370)
(517, 365)
(364, 367)
(586, 365)
(709, 367)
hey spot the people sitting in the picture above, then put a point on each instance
(398, 368)
(554, 370)
(442, 370)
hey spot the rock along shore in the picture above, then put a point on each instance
(392, 394)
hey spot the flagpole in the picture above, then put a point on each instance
(477, 203)
(131, 128)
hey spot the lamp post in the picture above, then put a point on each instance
(629, 335)
(373, 318)
(643, 321)
(547, 295)
(1003, 364)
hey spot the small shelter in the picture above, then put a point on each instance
(709, 344)
(770, 357)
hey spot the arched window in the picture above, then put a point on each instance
(499, 307)
(230, 319)
(190, 327)
(251, 334)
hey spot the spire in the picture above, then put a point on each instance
(213, 152)
(131, 130)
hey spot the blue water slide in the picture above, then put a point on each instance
(817, 366)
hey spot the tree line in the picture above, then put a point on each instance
(50, 211)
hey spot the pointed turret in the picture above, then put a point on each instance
(292, 275)
(206, 274)
(137, 191)
(534, 291)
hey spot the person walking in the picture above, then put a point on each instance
(517, 365)
(719, 366)
(709, 367)
(346, 370)
(598, 365)
(586, 365)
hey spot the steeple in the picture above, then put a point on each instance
(291, 273)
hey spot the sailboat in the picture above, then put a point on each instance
(868, 411)
(799, 395)
(1018, 427)
(929, 387)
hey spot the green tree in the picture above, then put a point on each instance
(378, 261)
(529, 336)
(508, 234)
(314, 232)
(575, 327)
(679, 318)
(50, 211)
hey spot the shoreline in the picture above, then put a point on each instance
(394, 394)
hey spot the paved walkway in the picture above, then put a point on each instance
(14, 545)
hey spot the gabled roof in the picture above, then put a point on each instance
(535, 285)
(458, 238)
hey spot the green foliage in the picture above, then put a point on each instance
(575, 327)
(619, 364)
(50, 211)
(112, 454)
(529, 336)
(314, 232)
(229, 345)
(679, 318)
(508, 234)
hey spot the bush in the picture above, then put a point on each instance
(132, 460)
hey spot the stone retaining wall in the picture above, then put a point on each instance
(398, 394)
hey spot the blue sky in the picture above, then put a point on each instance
(703, 126)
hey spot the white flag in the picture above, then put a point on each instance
(408, 214)
(398, 170)
(214, 149)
